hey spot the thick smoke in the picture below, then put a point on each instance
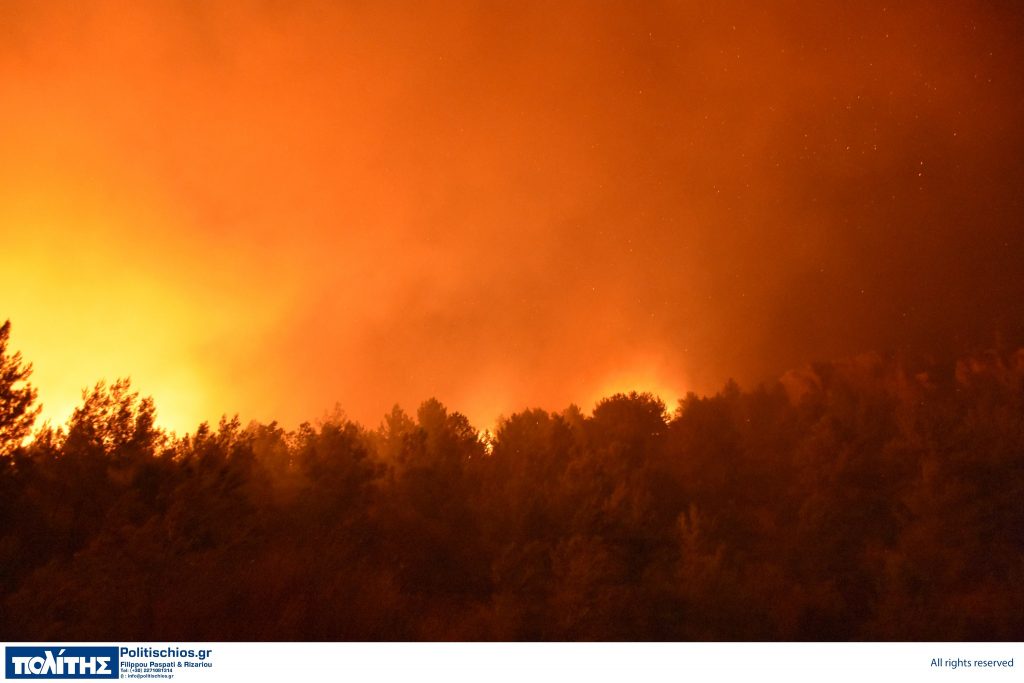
(274, 208)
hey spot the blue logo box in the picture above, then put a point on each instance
(62, 662)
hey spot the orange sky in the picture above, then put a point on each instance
(268, 208)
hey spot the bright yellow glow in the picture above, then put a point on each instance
(91, 299)
(642, 376)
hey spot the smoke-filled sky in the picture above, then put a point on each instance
(270, 207)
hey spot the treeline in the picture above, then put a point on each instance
(857, 500)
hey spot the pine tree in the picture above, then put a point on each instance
(17, 397)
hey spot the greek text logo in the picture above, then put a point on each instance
(62, 662)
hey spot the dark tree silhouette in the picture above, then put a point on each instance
(872, 498)
(17, 397)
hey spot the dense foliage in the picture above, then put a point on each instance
(859, 500)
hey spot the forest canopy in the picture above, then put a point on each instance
(874, 498)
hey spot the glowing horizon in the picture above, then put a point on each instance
(272, 210)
